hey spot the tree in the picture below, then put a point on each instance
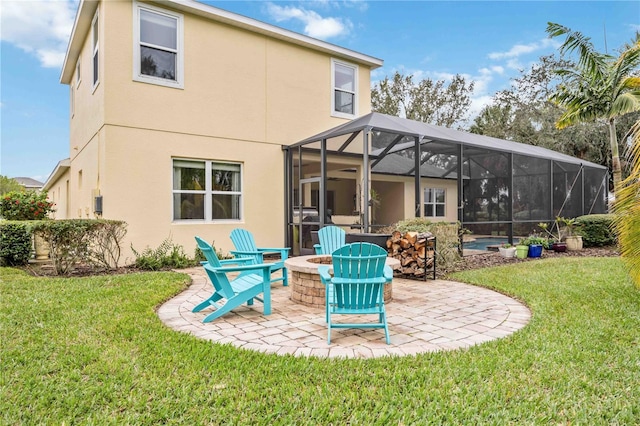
(627, 209)
(8, 184)
(427, 101)
(598, 87)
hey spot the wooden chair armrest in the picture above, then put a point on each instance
(388, 273)
(284, 251)
(325, 277)
(239, 268)
(235, 260)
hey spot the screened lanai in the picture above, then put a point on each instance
(378, 169)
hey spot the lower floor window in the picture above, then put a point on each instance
(206, 190)
(434, 202)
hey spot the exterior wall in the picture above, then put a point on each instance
(451, 198)
(139, 190)
(59, 194)
(88, 117)
(238, 85)
(245, 95)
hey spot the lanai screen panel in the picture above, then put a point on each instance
(595, 191)
(567, 189)
(486, 176)
(531, 183)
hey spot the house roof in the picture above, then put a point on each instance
(87, 9)
(59, 170)
(28, 182)
(430, 133)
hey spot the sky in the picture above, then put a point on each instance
(486, 42)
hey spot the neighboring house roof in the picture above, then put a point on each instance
(87, 9)
(434, 134)
(29, 183)
(59, 170)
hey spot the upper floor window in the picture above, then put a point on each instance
(158, 53)
(95, 36)
(344, 82)
(207, 190)
(434, 202)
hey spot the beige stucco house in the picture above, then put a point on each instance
(179, 112)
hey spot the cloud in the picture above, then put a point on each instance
(41, 28)
(314, 25)
(523, 49)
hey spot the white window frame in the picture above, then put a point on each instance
(78, 75)
(434, 203)
(178, 83)
(209, 192)
(340, 114)
(95, 50)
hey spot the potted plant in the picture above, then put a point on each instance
(522, 249)
(507, 250)
(554, 242)
(535, 245)
(574, 241)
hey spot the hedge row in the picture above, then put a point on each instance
(96, 242)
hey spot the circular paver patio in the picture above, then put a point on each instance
(424, 316)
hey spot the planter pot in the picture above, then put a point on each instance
(41, 247)
(535, 250)
(522, 251)
(559, 247)
(507, 252)
(574, 243)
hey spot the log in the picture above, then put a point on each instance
(407, 261)
(412, 237)
(405, 244)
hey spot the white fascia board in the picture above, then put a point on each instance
(253, 25)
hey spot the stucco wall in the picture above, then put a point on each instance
(244, 96)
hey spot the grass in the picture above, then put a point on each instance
(92, 351)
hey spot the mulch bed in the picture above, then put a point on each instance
(489, 259)
(475, 261)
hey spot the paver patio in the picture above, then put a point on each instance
(424, 316)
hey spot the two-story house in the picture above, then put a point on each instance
(189, 120)
(179, 112)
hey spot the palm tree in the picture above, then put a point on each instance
(598, 87)
(627, 209)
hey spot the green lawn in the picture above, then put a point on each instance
(92, 351)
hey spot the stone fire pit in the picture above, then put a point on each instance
(306, 287)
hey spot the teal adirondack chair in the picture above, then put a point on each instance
(357, 285)
(254, 279)
(246, 248)
(331, 238)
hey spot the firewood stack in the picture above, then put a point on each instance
(411, 250)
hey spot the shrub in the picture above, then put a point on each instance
(167, 256)
(596, 230)
(27, 205)
(105, 243)
(447, 238)
(82, 241)
(15, 243)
